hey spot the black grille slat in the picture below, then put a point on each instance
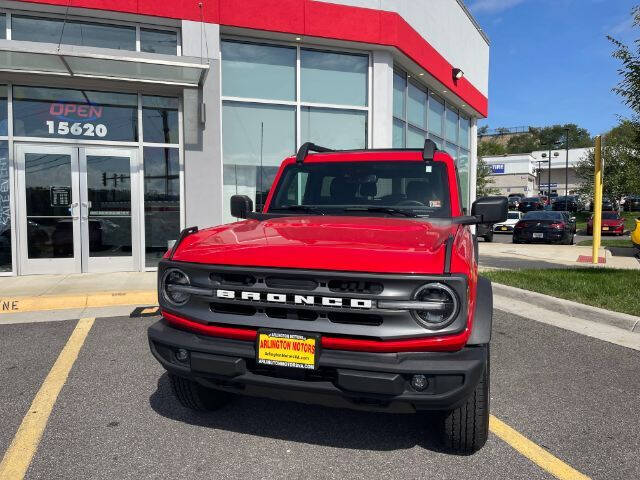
(356, 286)
(355, 318)
(233, 309)
(232, 279)
(291, 283)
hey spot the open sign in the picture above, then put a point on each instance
(74, 111)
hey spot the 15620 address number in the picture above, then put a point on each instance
(77, 129)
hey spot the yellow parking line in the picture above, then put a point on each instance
(25, 443)
(533, 452)
(60, 302)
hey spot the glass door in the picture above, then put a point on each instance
(48, 209)
(109, 206)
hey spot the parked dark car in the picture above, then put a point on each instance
(531, 203)
(632, 203)
(545, 227)
(485, 231)
(566, 204)
(607, 205)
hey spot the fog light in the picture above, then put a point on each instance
(182, 355)
(419, 382)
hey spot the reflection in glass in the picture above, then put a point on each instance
(337, 129)
(436, 114)
(161, 201)
(49, 205)
(109, 195)
(74, 32)
(255, 139)
(3, 28)
(258, 71)
(5, 209)
(398, 134)
(452, 125)
(465, 127)
(158, 41)
(415, 137)
(335, 78)
(417, 107)
(79, 114)
(399, 87)
(160, 119)
(464, 172)
(4, 116)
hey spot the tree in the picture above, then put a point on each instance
(621, 161)
(541, 138)
(629, 86)
(484, 180)
(525, 143)
(490, 148)
(483, 130)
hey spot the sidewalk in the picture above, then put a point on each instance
(562, 255)
(78, 291)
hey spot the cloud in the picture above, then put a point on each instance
(493, 6)
(622, 27)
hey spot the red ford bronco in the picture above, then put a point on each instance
(356, 286)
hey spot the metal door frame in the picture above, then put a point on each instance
(26, 265)
(110, 264)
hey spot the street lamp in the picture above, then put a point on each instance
(544, 155)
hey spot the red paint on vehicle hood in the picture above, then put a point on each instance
(363, 244)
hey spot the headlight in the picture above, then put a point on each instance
(441, 305)
(172, 281)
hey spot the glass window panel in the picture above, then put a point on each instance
(415, 137)
(438, 141)
(160, 119)
(399, 89)
(464, 173)
(255, 140)
(32, 61)
(103, 35)
(398, 134)
(161, 201)
(436, 114)
(80, 114)
(4, 117)
(451, 149)
(3, 26)
(5, 209)
(159, 41)
(451, 123)
(465, 128)
(335, 78)
(109, 195)
(417, 107)
(258, 71)
(338, 129)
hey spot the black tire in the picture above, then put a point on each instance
(194, 396)
(464, 431)
(488, 238)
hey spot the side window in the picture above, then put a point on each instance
(297, 188)
(464, 210)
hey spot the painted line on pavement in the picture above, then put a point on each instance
(604, 332)
(23, 447)
(64, 302)
(534, 452)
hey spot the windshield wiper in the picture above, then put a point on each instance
(389, 210)
(301, 208)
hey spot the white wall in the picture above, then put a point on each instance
(513, 164)
(575, 156)
(446, 26)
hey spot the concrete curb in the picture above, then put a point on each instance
(554, 305)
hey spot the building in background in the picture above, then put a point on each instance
(122, 124)
(529, 173)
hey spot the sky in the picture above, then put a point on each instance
(551, 61)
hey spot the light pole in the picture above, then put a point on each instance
(566, 169)
(555, 154)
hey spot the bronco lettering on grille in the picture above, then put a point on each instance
(286, 298)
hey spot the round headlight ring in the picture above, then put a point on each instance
(429, 319)
(175, 298)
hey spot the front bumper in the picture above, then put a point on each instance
(346, 379)
(549, 236)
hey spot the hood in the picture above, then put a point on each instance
(611, 223)
(346, 243)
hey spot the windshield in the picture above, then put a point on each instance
(513, 215)
(609, 216)
(531, 199)
(342, 188)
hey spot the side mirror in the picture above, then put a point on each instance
(572, 219)
(490, 209)
(241, 206)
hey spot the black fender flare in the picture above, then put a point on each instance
(483, 314)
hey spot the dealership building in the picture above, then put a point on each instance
(528, 173)
(122, 122)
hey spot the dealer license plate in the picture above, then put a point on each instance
(504, 228)
(286, 349)
(605, 228)
(538, 235)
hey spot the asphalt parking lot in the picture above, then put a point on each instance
(115, 416)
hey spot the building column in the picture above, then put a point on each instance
(382, 100)
(473, 162)
(202, 129)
